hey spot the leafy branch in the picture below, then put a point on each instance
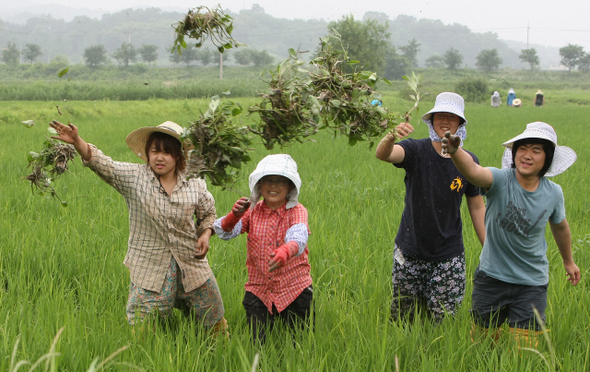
(414, 83)
(202, 23)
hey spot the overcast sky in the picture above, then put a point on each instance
(550, 23)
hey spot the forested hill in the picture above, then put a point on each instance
(258, 30)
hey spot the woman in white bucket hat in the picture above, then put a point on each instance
(513, 273)
(170, 223)
(279, 283)
(429, 255)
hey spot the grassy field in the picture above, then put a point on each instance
(61, 268)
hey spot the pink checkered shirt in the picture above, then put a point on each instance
(161, 226)
(266, 230)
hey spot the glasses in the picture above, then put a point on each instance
(445, 116)
(279, 181)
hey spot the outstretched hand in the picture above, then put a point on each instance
(403, 130)
(66, 133)
(240, 207)
(450, 143)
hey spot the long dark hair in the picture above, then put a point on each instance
(548, 147)
(167, 143)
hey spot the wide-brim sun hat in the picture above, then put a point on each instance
(539, 92)
(276, 165)
(516, 102)
(563, 158)
(447, 102)
(137, 139)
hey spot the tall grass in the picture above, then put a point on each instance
(62, 267)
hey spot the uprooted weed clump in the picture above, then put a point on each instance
(329, 94)
(48, 164)
(219, 144)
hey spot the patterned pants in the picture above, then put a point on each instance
(205, 301)
(438, 285)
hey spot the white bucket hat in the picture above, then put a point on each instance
(563, 158)
(137, 139)
(447, 102)
(276, 165)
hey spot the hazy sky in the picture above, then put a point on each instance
(550, 23)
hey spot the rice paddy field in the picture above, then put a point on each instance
(63, 285)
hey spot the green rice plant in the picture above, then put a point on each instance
(64, 266)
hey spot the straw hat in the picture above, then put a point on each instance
(539, 92)
(137, 139)
(276, 165)
(447, 102)
(563, 158)
(517, 102)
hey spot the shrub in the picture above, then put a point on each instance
(473, 90)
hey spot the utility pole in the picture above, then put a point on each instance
(527, 35)
(220, 66)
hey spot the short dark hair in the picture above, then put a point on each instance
(548, 147)
(169, 144)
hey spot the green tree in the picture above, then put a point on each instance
(95, 55)
(453, 59)
(243, 56)
(529, 56)
(584, 62)
(148, 53)
(395, 65)
(205, 56)
(435, 61)
(488, 60)
(32, 53)
(366, 41)
(175, 58)
(570, 55)
(410, 51)
(189, 55)
(126, 54)
(11, 55)
(261, 58)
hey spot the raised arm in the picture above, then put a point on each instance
(563, 239)
(387, 151)
(69, 134)
(475, 173)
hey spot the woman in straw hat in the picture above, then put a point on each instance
(166, 255)
(429, 255)
(513, 274)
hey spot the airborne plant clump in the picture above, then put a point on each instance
(329, 94)
(289, 111)
(202, 23)
(218, 143)
(48, 164)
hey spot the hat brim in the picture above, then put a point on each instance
(427, 118)
(563, 158)
(137, 139)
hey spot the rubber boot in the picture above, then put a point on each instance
(526, 338)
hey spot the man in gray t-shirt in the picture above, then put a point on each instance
(511, 280)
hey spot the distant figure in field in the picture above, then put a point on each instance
(496, 102)
(510, 98)
(517, 102)
(539, 99)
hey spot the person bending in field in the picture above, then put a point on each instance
(279, 280)
(513, 273)
(429, 259)
(167, 248)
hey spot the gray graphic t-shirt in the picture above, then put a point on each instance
(515, 249)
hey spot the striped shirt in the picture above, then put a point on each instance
(267, 230)
(161, 226)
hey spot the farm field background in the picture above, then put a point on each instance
(63, 267)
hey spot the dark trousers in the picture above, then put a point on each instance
(295, 316)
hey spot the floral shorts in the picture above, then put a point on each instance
(205, 302)
(439, 285)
